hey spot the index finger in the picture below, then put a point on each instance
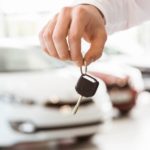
(74, 39)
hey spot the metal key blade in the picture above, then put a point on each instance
(77, 105)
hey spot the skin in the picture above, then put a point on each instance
(61, 36)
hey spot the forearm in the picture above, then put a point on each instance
(121, 14)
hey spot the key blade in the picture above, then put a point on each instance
(77, 105)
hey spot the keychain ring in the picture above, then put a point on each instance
(85, 68)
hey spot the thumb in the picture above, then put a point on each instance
(96, 48)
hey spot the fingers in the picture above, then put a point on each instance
(60, 33)
(46, 38)
(43, 46)
(75, 34)
(53, 36)
(74, 23)
(96, 48)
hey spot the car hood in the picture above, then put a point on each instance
(56, 85)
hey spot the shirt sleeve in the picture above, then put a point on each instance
(121, 14)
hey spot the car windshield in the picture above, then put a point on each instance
(17, 60)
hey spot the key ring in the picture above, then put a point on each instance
(85, 68)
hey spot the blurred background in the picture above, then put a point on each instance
(25, 19)
(36, 102)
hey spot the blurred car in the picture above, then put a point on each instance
(141, 62)
(124, 84)
(139, 58)
(37, 94)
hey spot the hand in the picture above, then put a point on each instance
(61, 37)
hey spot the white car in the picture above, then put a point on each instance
(37, 95)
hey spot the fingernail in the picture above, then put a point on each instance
(90, 61)
(78, 63)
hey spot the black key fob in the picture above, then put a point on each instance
(87, 85)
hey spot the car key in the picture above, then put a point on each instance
(86, 87)
(75, 109)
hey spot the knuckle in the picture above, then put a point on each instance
(65, 10)
(49, 33)
(57, 36)
(44, 49)
(73, 37)
(46, 35)
(53, 54)
(63, 57)
(80, 10)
